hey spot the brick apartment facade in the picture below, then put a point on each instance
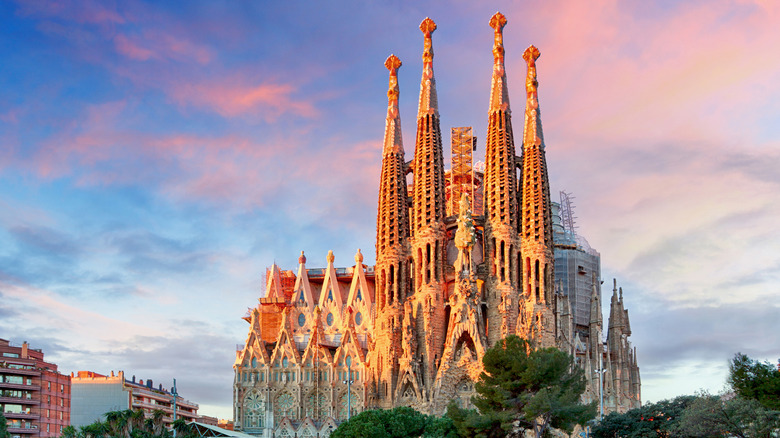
(34, 396)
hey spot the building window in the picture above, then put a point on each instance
(329, 319)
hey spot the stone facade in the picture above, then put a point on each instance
(324, 344)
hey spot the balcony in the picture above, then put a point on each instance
(20, 400)
(16, 427)
(21, 416)
(20, 371)
(4, 385)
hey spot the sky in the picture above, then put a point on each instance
(157, 157)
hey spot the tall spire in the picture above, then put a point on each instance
(499, 94)
(535, 226)
(536, 215)
(429, 102)
(429, 203)
(533, 121)
(393, 140)
(500, 189)
(393, 215)
(427, 226)
(392, 246)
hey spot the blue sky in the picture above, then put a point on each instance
(156, 158)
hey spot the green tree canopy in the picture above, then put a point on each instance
(650, 421)
(4, 427)
(727, 416)
(755, 380)
(535, 389)
(131, 424)
(400, 422)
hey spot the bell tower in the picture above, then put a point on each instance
(428, 211)
(501, 210)
(392, 249)
(537, 317)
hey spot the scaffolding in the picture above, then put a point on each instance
(462, 173)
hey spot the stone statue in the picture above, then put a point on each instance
(465, 238)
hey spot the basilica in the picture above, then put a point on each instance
(464, 258)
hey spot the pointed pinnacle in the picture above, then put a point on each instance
(427, 27)
(393, 64)
(530, 55)
(497, 22)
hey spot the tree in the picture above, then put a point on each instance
(752, 379)
(69, 432)
(721, 416)
(533, 389)
(400, 422)
(4, 427)
(650, 421)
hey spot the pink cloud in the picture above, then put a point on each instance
(232, 97)
(638, 71)
(130, 49)
(161, 46)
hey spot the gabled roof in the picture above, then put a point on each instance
(302, 285)
(360, 286)
(331, 290)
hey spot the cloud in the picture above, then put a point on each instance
(235, 96)
(45, 240)
(161, 46)
(696, 342)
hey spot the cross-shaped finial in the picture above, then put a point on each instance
(392, 63)
(531, 54)
(427, 27)
(497, 22)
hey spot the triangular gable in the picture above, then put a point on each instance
(313, 348)
(302, 292)
(285, 345)
(254, 345)
(349, 342)
(307, 429)
(361, 295)
(328, 425)
(285, 428)
(408, 389)
(331, 294)
(331, 298)
(273, 286)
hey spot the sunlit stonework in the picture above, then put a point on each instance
(411, 330)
